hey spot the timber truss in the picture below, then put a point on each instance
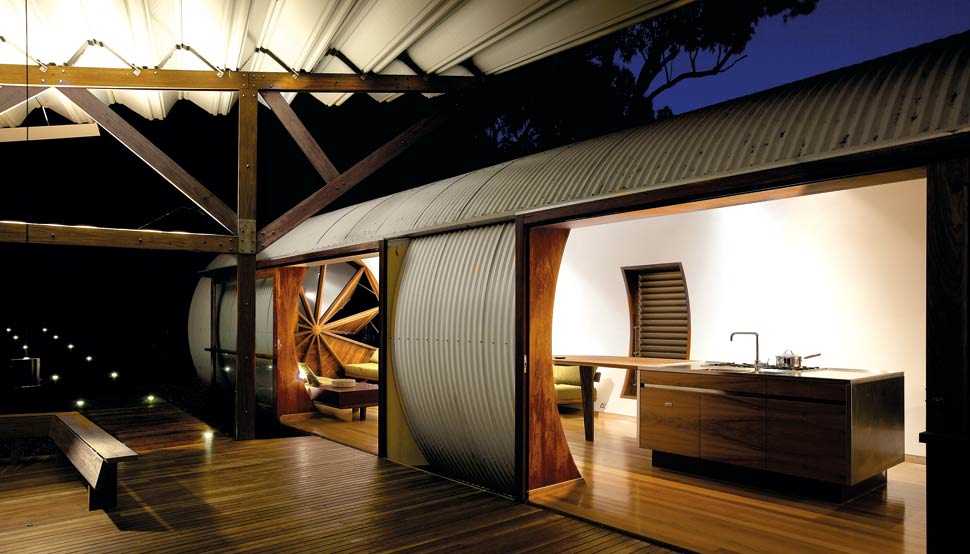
(20, 83)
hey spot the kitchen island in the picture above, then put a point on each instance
(838, 427)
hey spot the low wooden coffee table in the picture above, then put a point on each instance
(357, 397)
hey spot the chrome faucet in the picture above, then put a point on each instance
(757, 347)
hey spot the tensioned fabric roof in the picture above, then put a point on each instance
(437, 35)
(911, 96)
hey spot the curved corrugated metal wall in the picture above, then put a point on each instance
(454, 352)
(914, 95)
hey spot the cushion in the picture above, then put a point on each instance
(570, 394)
(374, 359)
(566, 375)
(315, 381)
(304, 368)
(366, 371)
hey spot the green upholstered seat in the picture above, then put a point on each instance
(567, 382)
(367, 371)
(569, 394)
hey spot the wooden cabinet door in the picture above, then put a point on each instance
(733, 429)
(807, 439)
(670, 421)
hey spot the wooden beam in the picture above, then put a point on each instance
(179, 79)
(246, 269)
(301, 135)
(348, 179)
(342, 82)
(13, 231)
(153, 156)
(114, 78)
(70, 235)
(14, 96)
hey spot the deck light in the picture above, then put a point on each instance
(55, 377)
(9, 329)
(114, 374)
(44, 330)
(15, 337)
(227, 369)
(79, 403)
(207, 435)
(56, 337)
(70, 347)
(25, 347)
(88, 358)
(150, 398)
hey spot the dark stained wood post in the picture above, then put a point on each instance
(246, 270)
(947, 355)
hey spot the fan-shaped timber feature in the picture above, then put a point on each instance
(328, 325)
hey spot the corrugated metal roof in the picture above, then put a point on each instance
(914, 95)
(438, 35)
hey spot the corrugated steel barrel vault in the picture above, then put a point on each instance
(454, 352)
(458, 286)
(914, 95)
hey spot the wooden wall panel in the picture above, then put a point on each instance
(291, 398)
(550, 460)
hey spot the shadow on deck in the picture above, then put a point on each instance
(186, 493)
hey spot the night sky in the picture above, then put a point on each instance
(837, 34)
(129, 309)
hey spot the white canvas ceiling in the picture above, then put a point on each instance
(438, 35)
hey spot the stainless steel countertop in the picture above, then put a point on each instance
(823, 374)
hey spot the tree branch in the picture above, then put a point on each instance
(719, 67)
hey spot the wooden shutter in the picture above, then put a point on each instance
(662, 314)
(659, 315)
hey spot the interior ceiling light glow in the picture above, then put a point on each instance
(151, 397)
(207, 435)
(55, 377)
(79, 403)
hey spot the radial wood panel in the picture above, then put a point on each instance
(621, 489)
(549, 459)
(255, 496)
(319, 338)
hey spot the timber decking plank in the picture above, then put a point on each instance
(294, 495)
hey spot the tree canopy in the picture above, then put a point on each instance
(614, 82)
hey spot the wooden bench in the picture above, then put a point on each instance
(93, 452)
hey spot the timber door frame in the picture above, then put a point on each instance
(945, 165)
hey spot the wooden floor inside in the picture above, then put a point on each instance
(361, 435)
(185, 493)
(621, 489)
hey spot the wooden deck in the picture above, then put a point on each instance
(621, 489)
(361, 435)
(306, 494)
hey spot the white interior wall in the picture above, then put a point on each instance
(840, 273)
